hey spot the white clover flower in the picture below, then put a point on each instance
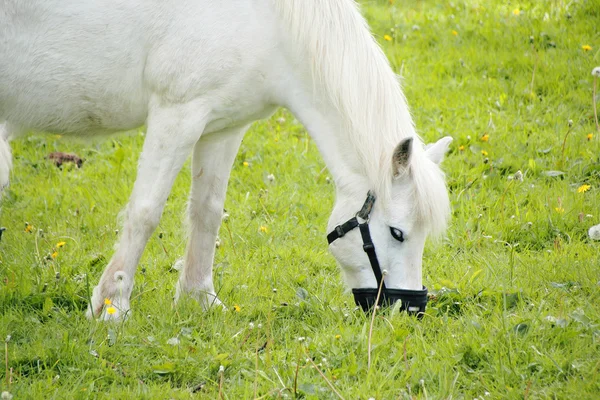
(518, 176)
(271, 177)
(6, 395)
(174, 341)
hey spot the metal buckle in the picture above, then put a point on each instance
(340, 231)
(359, 218)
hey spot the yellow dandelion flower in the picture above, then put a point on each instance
(28, 227)
(559, 210)
(583, 188)
(454, 33)
(236, 308)
(55, 254)
(245, 163)
(60, 244)
(516, 11)
(387, 37)
(586, 47)
(483, 152)
(107, 301)
(590, 136)
(263, 229)
(461, 147)
(485, 138)
(338, 336)
(111, 310)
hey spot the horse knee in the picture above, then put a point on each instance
(146, 216)
(208, 211)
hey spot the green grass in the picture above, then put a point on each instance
(516, 281)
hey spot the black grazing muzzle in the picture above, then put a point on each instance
(413, 301)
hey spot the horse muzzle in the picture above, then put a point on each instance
(413, 302)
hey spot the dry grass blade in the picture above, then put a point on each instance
(324, 377)
(594, 101)
(221, 375)
(369, 343)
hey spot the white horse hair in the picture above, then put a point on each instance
(197, 73)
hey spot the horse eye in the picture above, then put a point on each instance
(397, 234)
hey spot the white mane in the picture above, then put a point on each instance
(356, 76)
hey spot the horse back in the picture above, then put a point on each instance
(86, 68)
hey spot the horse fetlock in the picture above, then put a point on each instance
(204, 294)
(110, 299)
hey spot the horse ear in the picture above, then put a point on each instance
(436, 151)
(401, 156)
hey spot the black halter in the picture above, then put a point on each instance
(413, 301)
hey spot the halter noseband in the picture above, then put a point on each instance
(413, 301)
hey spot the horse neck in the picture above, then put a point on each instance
(351, 98)
(325, 124)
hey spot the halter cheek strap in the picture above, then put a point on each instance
(369, 248)
(413, 301)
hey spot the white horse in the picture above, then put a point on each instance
(197, 73)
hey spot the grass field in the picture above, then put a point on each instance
(516, 282)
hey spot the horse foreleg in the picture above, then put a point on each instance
(5, 157)
(211, 165)
(172, 131)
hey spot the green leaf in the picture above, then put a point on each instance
(112, 337)
(118, 156)
(48, 304)
(447, 283)
(302, 293)
(221, 357)
(580, 317)
(164, 368)
(553, 174)
(475, 275)
(521, 328)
